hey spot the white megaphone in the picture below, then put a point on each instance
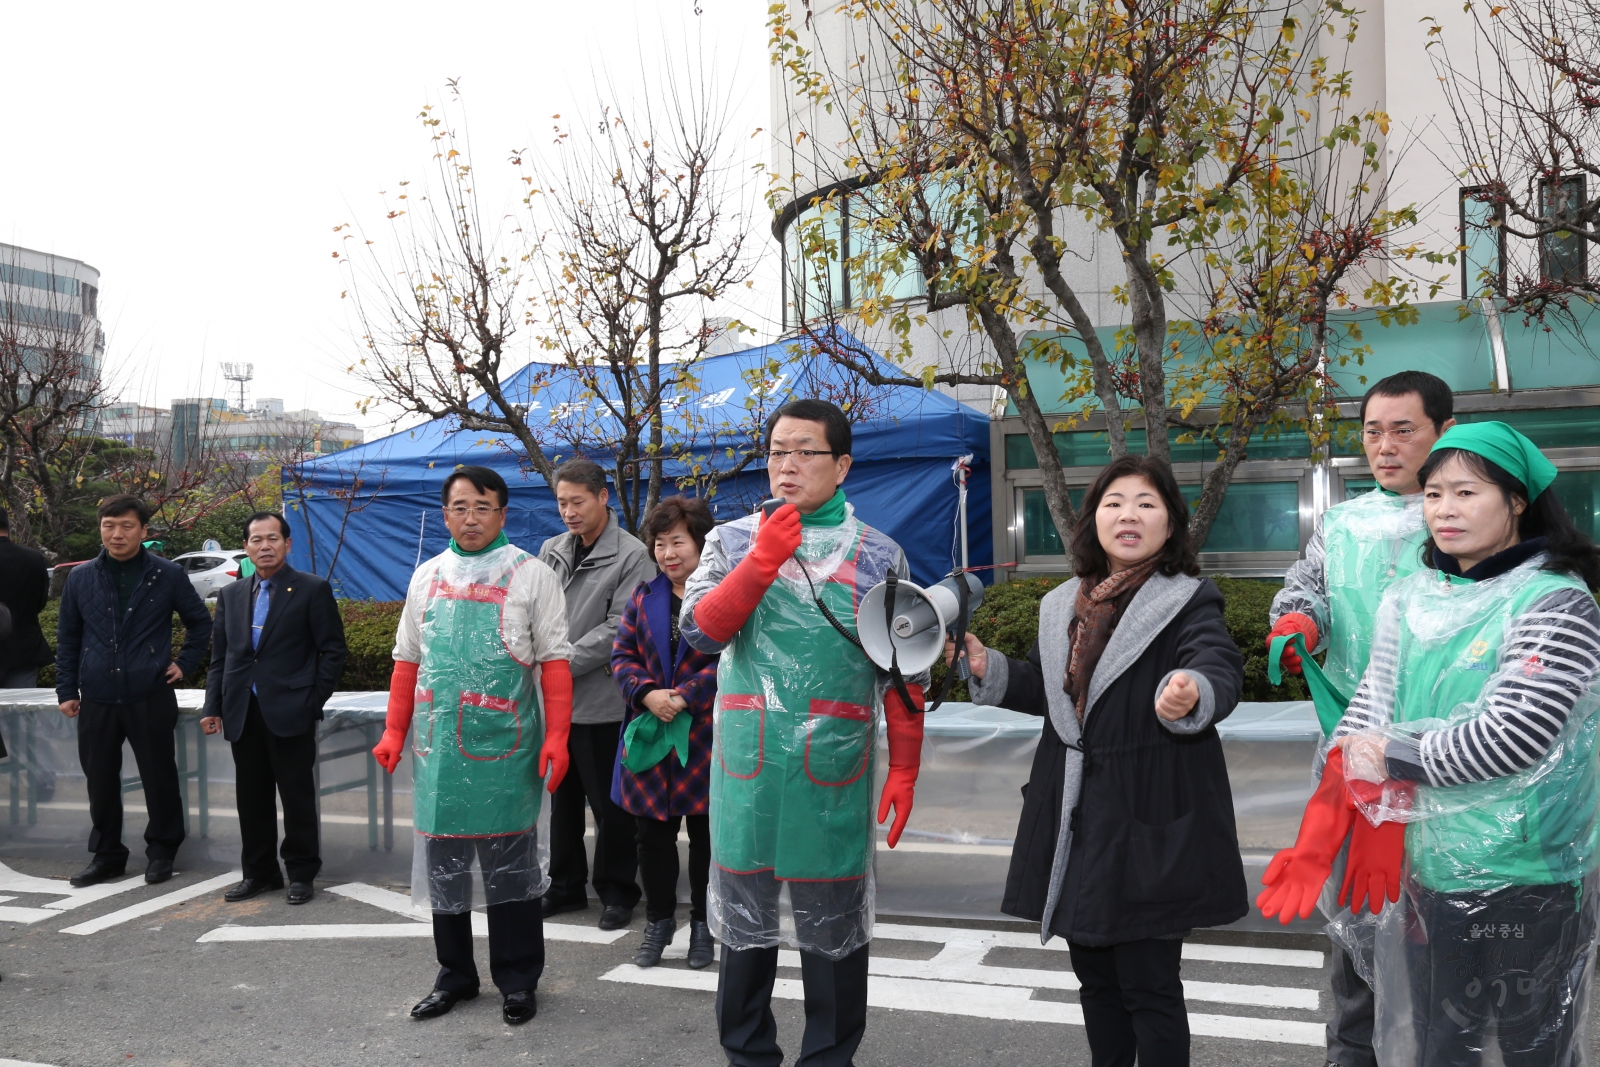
(912, 633)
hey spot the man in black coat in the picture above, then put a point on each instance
(115, 673)
(24, 589)
(276, 655)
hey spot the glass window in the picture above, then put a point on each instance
(1355, 487)
(1562, 255)
(1559, 428)
(1255, 517)
(874, 251)
(1484, 241)
(815, 232)
(1092, 448)
(1579, 493)
(1039, 536)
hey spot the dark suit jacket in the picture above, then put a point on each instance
(297, 666)
(24, 588)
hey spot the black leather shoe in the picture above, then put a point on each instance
(657, 936)
(301, 892)
(98, 871)
(549, 907)
(702, 946)
(157, 871)
(615, 917)
(250, 887)
(438, 1003)
(519, 1007)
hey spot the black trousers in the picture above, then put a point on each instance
(1507, 968)
(1350, 1024)
(269, 766)
(592, 748)
(147, 725)
(1132, 1002)
(836, 1008)
(516, 948)
(658, 865)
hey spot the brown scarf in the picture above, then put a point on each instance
(1096, 613)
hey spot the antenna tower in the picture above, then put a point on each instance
(240, 374)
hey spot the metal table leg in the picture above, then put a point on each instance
(205, 791)
(372, 791)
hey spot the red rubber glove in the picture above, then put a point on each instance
(721, 612)
(1295, 876)
(1372, 871)
(402, 705)
(1293, 623)
(905, 758)
(555, 682)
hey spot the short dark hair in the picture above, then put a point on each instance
(260, 516)
(5, 520)
(483, 480)
(584, 472)
(1438, 402)
(1571, 551)
(1089, 559)
(832, 417)
(113, 507)
(691, 511)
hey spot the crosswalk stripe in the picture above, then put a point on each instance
(154, 904)
(69, 896)
(317, 931)
(1271, 957)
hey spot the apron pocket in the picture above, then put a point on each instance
(422, 722)
(741, 733)
(837, 742)
(487, 727)
(1159, 865)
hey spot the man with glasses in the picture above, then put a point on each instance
(598, 564)
(1361, 547)
(481, 682)
(795, 736)
(277, 653)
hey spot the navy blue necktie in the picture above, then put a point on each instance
(263, 604)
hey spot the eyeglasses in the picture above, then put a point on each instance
(1401, 436)
(481, 511)
(801, 455)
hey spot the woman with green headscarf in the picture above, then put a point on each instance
(1474, 725)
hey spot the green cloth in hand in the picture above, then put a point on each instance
(647, 740)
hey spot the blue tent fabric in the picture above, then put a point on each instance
(366, 516)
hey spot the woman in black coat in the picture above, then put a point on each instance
(1127, 840)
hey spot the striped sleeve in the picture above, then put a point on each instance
(1305, 590)
(1550, 660)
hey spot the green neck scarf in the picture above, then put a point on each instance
(830, 514)
(499, 542)
(1506, 448)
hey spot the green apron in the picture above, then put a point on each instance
(1528, 829)
(1371, 542)
(477, 728)
(795, 739)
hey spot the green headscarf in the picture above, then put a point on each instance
(1504, 446)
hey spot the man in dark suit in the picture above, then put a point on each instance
(24, 590)
(277, 652)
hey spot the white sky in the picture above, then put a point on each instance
(199, 155)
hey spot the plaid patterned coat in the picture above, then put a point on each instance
(642, 659)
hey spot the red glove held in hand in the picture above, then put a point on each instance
(1295, 876)
(1372, 871)
(555, 682)
(402, 704)
(721, 612)
(1293, 623)
(905, 758)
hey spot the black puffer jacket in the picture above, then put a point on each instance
(1150, 848)
(109, 660)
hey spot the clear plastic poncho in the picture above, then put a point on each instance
(1486, 692)
(796, 726)
(481, 824)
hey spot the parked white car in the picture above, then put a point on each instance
(210, 571)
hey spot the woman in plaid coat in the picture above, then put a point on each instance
(660, 675)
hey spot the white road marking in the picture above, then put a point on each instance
(154, 904)
(946, 848)
(25, 915)
(21, 1063)
(988, 1002)
(1272, 957)
(219, 812)
(315, 932)
(71, 896)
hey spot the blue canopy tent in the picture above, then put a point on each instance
(366, 516)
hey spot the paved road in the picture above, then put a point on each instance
(128, 973)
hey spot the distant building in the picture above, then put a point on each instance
(137, 425)
(50, 303)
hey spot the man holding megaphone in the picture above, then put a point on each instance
(795, 735)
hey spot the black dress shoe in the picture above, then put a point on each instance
(438, 1003)
(615, 917)
(548, 907)
(301, 892)
(250, 887)
(519, 1007)
(657, 936)
(702, 946)
(157, 871)
(98, 871)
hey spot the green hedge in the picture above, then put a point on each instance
(1007, 621)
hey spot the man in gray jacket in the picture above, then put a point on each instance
(599, 564)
